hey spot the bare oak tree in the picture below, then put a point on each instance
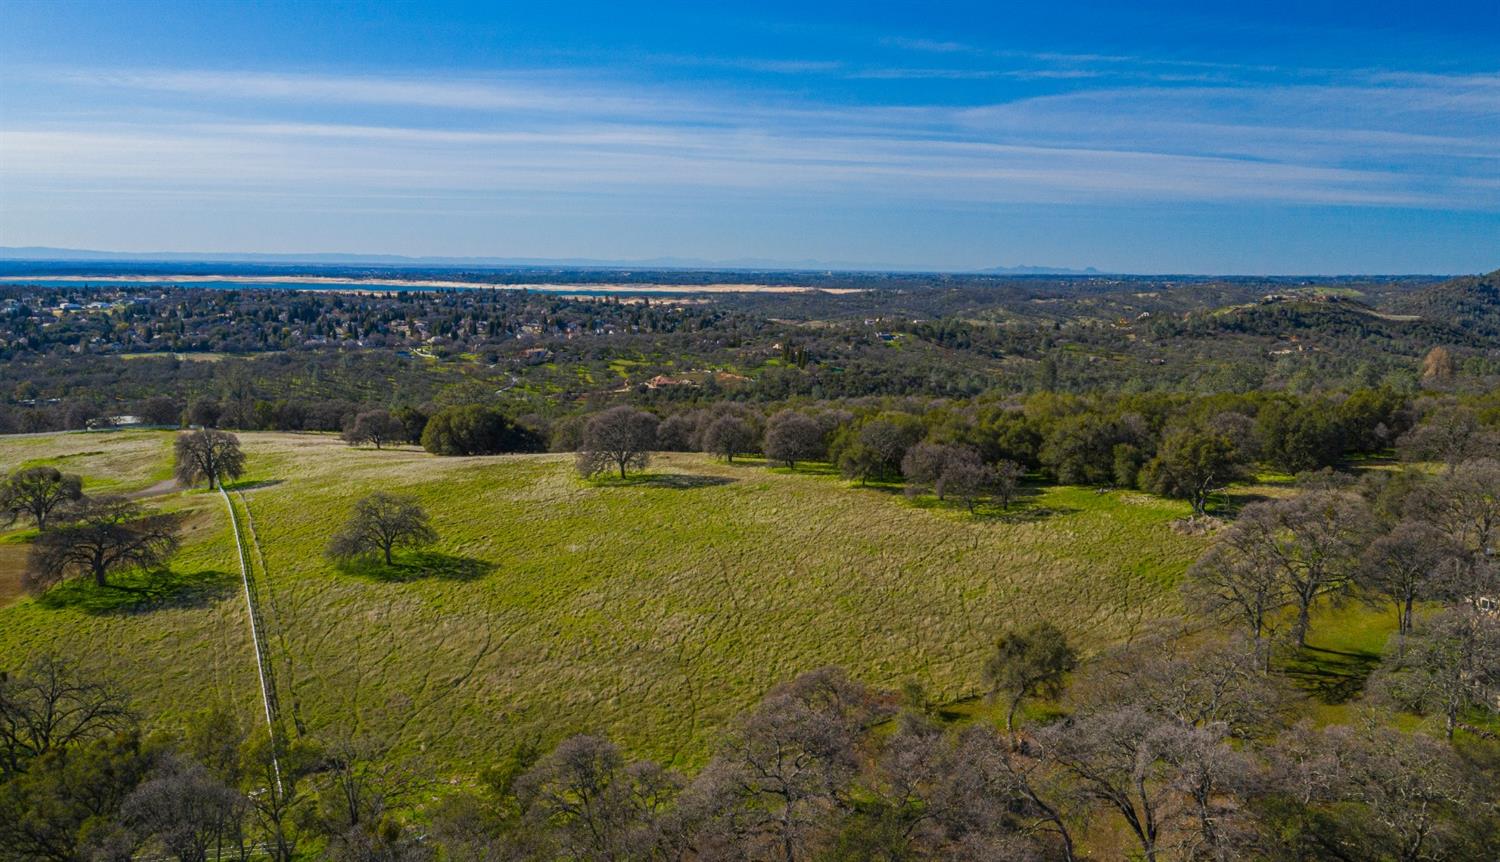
(785, 767)
(793, 437)
(620, 437)
(375, 427)
(1008, 476)
(50, 705)
(210, 456)
(37, 492)
(1407, 565)
(599, 806)
(103, 536)
(728, 436)
(382, 523)
(1451, 664)
(1306, 546)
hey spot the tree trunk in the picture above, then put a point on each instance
(100, 581)
(1303, 622)
(1010, 714)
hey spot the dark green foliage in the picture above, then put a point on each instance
(874, 449)
(1296, 438)
(476, 429)
(413, 423)
(1192, 464)
(1027, 662)
(64, 806)
(1085, 449)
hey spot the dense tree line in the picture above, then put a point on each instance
(283, 353)
(1176, 446)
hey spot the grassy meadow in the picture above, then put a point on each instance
(652, 609)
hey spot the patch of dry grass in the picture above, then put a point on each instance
(109, 461)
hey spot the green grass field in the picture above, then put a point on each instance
(652, 609)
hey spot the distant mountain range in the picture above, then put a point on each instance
(75, 255)
(1037, 270)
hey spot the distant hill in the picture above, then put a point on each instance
(1470, 303)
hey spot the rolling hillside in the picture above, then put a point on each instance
(653, 609)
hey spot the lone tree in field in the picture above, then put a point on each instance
(1028, 662)
(620, 437)
(793, 437)
(210, 456)
(382, 523)
(376, 427)
(104, 536)
(37, 492)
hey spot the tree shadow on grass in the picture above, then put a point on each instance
(140, 592)
(1332, 676)
(1232, 502)
(1022, 509)
(418, 566)
(1021, 514)
(252, 485)
(674, 481)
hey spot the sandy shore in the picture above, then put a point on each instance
(321, 282)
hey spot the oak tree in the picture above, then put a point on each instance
(381, 523)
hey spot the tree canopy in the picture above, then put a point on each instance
(382, 523)
(104, 536)
(210, 456)
(37, 492)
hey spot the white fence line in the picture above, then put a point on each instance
(254, 615)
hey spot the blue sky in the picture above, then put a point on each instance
(1165, 137)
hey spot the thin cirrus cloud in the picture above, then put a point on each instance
(1367, 139)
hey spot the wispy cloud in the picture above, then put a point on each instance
(1368, 140)
(931, 46)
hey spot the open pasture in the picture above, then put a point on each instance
(651, 609)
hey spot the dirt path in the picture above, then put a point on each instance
(165, 486)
